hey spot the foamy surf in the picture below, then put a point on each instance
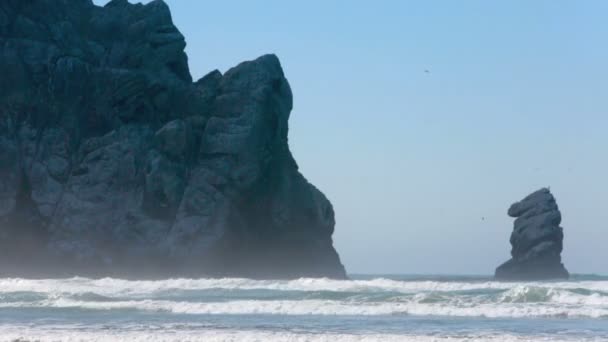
(313, 297)
(231, 309)
(129, 287)
(157, 335)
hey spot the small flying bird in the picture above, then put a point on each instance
(426, 71)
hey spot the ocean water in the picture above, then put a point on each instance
(366, 308)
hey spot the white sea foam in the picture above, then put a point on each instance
(326, 307)
(358, 297)
(67, 334)
(118, 286)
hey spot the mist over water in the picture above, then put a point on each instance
(367, 308)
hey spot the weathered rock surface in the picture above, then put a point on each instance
(536, 239)
(113, 162)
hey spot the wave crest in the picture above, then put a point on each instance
(312, 297)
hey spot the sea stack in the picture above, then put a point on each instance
(536, 239)
(113, 162)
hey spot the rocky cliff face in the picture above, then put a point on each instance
(113, 162)
(536, 240)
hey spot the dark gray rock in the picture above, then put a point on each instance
(536, 239)
(113, 162)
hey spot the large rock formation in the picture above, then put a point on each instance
(536, 240)
(113, 162)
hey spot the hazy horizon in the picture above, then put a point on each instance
(423, 121)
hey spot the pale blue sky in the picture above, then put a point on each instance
(516, 99)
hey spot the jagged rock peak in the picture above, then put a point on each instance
(112, 162)
(537, 240)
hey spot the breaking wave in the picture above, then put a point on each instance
(381, 296)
